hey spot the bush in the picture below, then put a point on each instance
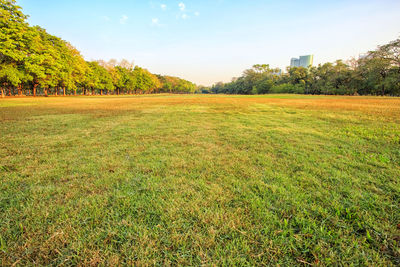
(287, 88)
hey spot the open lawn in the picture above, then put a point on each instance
(200, 180)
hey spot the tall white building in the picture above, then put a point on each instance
(303, 61)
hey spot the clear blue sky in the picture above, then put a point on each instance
(207, 41)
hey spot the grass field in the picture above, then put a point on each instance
(200, 180)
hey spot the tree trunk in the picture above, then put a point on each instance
(64, 90)
(34, 89)
(92, 91)
(56, 91)
(19, 90)
(101, 91)
(75, 92)
(45, 92)
(9, 91)
(2, 92)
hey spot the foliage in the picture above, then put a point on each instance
(39, 61)
(376, 74)
(287, 88)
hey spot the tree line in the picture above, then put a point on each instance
(375, 73)
(34, 62)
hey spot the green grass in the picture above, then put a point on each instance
(198, 180)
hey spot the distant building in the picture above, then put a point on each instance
(303, 61)
(295, 62)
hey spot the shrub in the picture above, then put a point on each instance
(287, 88)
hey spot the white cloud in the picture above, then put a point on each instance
(155, 22)
(184, 16)
(163, 6)
(197, 13)
(123, 19)
(182, 6)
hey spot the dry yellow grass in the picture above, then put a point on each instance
(383, 107)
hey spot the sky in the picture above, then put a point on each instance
(208, 41)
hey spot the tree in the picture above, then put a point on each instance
(30, 56)
(374, 71)
(98, 78)
(73, 67)
(42, 63)
(13, 50)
